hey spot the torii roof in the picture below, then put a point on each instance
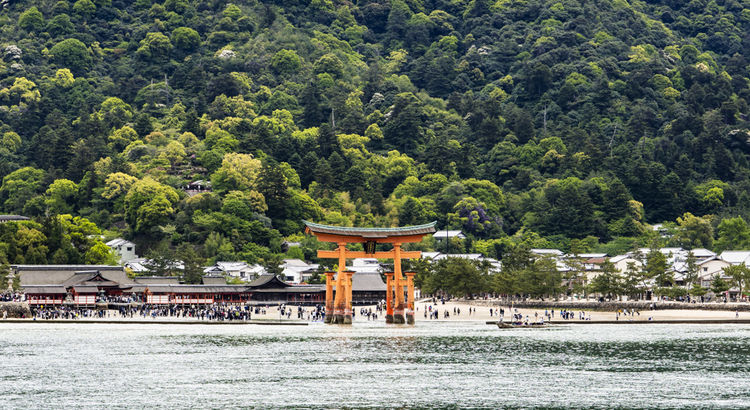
(370, 233)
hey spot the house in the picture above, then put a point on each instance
(446, 234)
(297, 270)
(198, 187)
(237, 269)
(709, 268)
(124, 249)
(622, 262)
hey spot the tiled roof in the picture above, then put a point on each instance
(371, 232)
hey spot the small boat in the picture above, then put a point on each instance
(519, 325)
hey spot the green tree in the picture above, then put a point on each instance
(71, 53)
(61, 196)
(155, 47)
(19, 187)
(149, 204)
(100, 254)
(185, 38)
(286, 62)
(733, 233)
(31, 19)
(608, 282)
(695, 232)
(739, 274)
(161, 260)
(719, 285)
(237, 172)
(458, 277)
(84, 8)
(192, 262)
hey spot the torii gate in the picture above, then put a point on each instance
(340, 310)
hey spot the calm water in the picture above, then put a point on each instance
(371, 365)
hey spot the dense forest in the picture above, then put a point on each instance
(548, 123)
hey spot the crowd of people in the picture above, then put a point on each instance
(11, 297)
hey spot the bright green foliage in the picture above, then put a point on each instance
(733, 234)
(185, 38)
(286, 62)
(19, 186)
(31, 19)
(60, 25)
(524, 124)
(100, 254)
(155, 47)
(61, 196)
(71, 53)
(84, 8)
(149, 204)
(237, 172)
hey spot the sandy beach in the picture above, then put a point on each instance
(466, 311)
(482, 313)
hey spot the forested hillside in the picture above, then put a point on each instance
(561, 123)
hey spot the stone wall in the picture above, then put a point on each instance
(612, 306)
(15, 310)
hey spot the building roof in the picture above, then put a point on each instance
(119, 242)
(214, 280)
(735, 257)
(371, 233)
(586, 255)
(555, 252)
(96, 278)
(449, 234)
(60, 274)
(619, 258)
(367, 282)
(432, 255)
(158, 280)
(85, 289)
(10, 218)
(702, 253)
(44, 290)
(295, 263)
(268, 281)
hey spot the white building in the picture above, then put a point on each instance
(297, 270)
(124, 249)
(238, 269)
(447, 234)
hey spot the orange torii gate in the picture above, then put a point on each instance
(340, 310)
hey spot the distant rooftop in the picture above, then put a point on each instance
(11, 218)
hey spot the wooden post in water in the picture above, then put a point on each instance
(389, 297)
(338, 313)
(329, 298)
(348, 301)
(410, 295)
(398, 311)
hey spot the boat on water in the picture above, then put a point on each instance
(519, 325)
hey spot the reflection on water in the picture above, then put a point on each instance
(371, 365)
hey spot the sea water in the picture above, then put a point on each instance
(373, 365)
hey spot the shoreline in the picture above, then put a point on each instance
(160, 322)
